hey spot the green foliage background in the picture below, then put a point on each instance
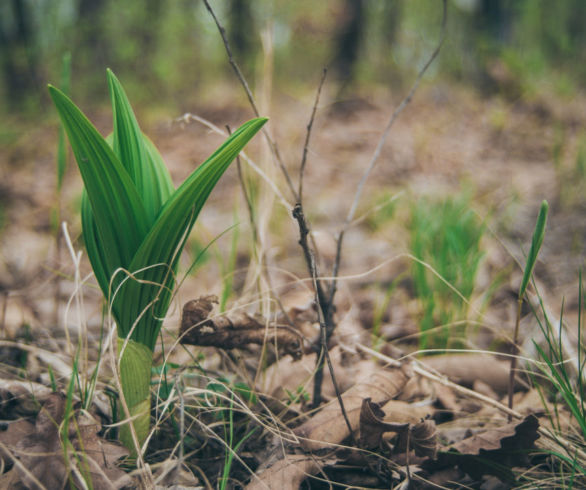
(168, 51)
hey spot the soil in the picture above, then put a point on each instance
(506, 155)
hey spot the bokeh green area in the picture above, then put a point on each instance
(168, 52)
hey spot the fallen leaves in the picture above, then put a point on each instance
(236, 329)
(494, 451)
(394, 436)
(328, 427)
(286, 474)
(57, 449)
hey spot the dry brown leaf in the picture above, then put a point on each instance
(328, 427)
(287, 375)
(11, 480)
(421, 438)
(465, 369)
(373, 426)
(40, 453)
(402, 412)
(233, 330)
(15, 431)
(285, 474)
(495, 451)
(21, 398)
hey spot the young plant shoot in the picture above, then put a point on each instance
(135, 225)
(536, 241)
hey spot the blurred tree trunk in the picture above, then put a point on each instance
(91, 48)
(491, 29)
(348, 41)
(242, 33)
(147, 28)
(19, 54)
(392, 14)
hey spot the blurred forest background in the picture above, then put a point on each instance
(168, 53)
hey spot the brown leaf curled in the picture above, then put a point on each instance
(232, 330)
(373, 426)
(420, 437)
(494, 451)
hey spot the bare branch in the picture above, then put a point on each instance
(325, 320)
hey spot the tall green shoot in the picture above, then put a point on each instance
(135, 225)
(536, 242)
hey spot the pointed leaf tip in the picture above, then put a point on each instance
(536, 242)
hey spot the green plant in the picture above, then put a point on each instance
(565, 385)
(228, 398)
(135, 225)
(536, 241)
(445, 238)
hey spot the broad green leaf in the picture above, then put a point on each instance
(162, 177)
(165, 240)
(129, 145)
(120, 217)
(96, 253)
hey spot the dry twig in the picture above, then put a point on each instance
(240, 76)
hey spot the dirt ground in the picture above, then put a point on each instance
(508, 155)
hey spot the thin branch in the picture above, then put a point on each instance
(244, 83)
(395, 115)
(378, 150)
(233, 63)
(323, 320)
(308, 135)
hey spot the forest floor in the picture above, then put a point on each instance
(231, 418)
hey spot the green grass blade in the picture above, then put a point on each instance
(167, 237)
(129, 145)
(118, 211)
(537, 240)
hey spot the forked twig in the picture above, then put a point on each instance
(325, 304)
(323, 321)
(326, 314)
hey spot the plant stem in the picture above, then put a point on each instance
(135, 361)
(514, 353)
